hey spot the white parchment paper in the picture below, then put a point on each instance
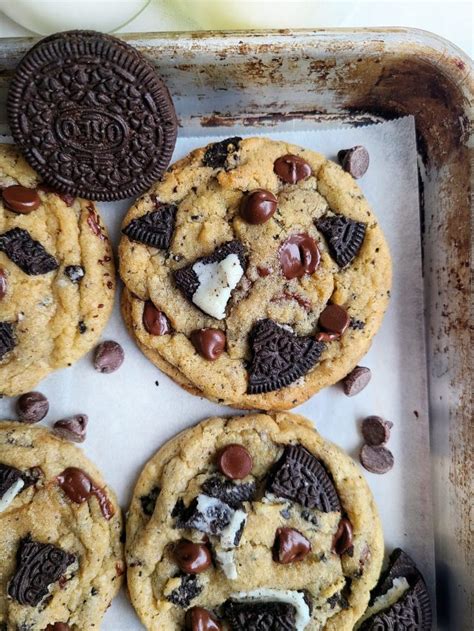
(134, 411)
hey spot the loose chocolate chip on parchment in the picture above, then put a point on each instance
(7, 339)
(302, 478)
(377, 459)
(217, 154)
(32, 407)
(279, 357)
(108, 357)
(356, 380)
(38, 565)
(354, 160)
(344, 237)
(72, 428)
(376, 430)
(28, 254)
(154, 229)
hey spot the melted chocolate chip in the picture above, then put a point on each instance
(342, 541)
(154, 320)
(108, 357)
(323, 336)
(38, 565)
(217, 154)
(79, 487)
(199, 619)
(155, 228)
(258, 206)
(209, 343)
(299, 256)
(28, 254)
(292, 169)
(234, 461)
(334, 319)
(72, 428)
(192, 558)
(20, 199)
(290, 546)
(354, 160)
(32, 407)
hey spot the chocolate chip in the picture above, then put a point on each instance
(155, 228)
(199, 619)
(154, 320)
(376, 430)
(344, 237)
(258, 206)
(210, 516)
(108, 357)
(32, 407)
(38, 565)
(8, 477)
(186, 592)
(115, 131)
(412, 611)
(75, 273)
(3, 283)
(58, 626)
(72, 428)
(82, 327)
(292, 169)
(28, 254)
(342, 541)
(234, 461)
(20, 199)
(355, 160)
(148, 501)
(264, 616)
(298, 476)
(217, 154)
(279, 357)
(7, 340)
(299, 256)
(79, 487)
(323, 336)
(334, 319)
(192, 558)
(290, 546)
(232, 494)
(356, 380)
(376, 459)
(209, 343)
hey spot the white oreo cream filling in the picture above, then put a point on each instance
(229, 533)
(226, 561)
(216, 283)
(303, 615)
(10, 494)
(391, 596)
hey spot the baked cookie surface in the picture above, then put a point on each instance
(60, 529)
(231, 262)
(243, 520)
(57, 277)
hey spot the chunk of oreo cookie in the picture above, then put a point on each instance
(298, 476)
(400, 565)
(206, 514)
(234, 495)
(92, 116)
(28, 254)
(8, 477)
(217, 155)
(7, 339)
(148, 502)
(411, 613)
(264, 616)
(279, 357)
(344, 237)
(155, 228)
(186, 592)
(37, 566)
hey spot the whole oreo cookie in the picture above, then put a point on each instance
(92, 116)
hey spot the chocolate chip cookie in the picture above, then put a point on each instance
(252, 522)
(60, 528)
(56, 276)
(256, 273)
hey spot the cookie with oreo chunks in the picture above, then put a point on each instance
(91, 114)
(264, 497)
(60, 533)
(257, 254)
(57, 276)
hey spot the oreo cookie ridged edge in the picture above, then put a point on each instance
(92, 116)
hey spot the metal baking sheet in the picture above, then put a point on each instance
(260, 80)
